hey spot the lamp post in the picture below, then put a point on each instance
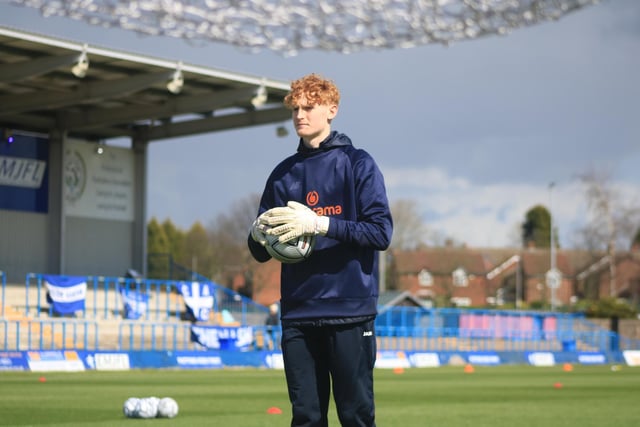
(518, 284)
(553, 276)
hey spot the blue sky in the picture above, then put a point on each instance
(473, 132)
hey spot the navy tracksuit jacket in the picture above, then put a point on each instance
(340, 279)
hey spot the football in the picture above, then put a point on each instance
(146, 408)
(130, 407)
(167, 408)
(290, 252)
(153, 403)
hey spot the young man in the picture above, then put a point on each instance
(328, 305)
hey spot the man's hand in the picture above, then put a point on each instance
(294, 220)
(258, 231)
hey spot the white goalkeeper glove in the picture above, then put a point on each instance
(293, 221)
(258, 231)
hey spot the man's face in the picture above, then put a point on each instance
(313, 122)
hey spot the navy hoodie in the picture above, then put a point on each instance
(339, 281)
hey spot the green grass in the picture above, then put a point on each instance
(504, 396)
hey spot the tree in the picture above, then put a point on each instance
(175, 236)
(612, 221)
(607, 307)
(409, 231)
(158, 249)
(198, 248)
(228, 235)
(636, 239)
(536, 229)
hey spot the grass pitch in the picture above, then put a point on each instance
(505, 396)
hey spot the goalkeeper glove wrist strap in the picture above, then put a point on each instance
(322, 225)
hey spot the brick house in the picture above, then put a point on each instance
(266, 282)
(456, 275)
(477, 277)
(594, 280)
(484, 277)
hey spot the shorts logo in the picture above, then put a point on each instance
(367, 334)
(312, 198)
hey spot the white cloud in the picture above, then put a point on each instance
(423, 179)
(489, 215)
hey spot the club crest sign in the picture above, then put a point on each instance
(75, 175)
(98, 181)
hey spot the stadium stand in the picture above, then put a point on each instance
(164, 321)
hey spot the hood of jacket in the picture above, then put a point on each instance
(335, 139)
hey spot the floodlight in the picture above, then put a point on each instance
(100, 148)
(82, 66)
(177, 80)
(260, 97)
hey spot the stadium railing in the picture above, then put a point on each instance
(75, 334)
(49, 334)
(493, 330)
(3, 282)
(175, 337)
(162, 327)
(479, 322)
(104, 301)
(134, 335)
(450, 339)
(614, 342)
(61, 334)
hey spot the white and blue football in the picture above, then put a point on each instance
(130, 407)
(167, 408)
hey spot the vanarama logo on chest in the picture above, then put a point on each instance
(313, 198)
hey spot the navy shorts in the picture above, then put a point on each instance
(321, 359)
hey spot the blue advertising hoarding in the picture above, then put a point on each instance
(13, 361)
(24, 175)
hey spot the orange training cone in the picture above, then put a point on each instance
(567, 367)
(468, 369)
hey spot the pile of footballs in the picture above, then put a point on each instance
(150, 407)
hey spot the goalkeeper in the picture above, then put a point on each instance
(335, 191)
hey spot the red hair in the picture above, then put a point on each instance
(315, 89)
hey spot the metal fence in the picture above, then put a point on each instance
(101, 325)
(59, 334)
(450, 339)
(48, 334)
(3, 289)
(104, 301)
(77, 334)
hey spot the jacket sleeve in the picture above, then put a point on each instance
(374, 225)
(258, 251)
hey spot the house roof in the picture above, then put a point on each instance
(569, 262)
(123, 94)
(440, 261)
(443, 261)
(390, 299)
(603, 261)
